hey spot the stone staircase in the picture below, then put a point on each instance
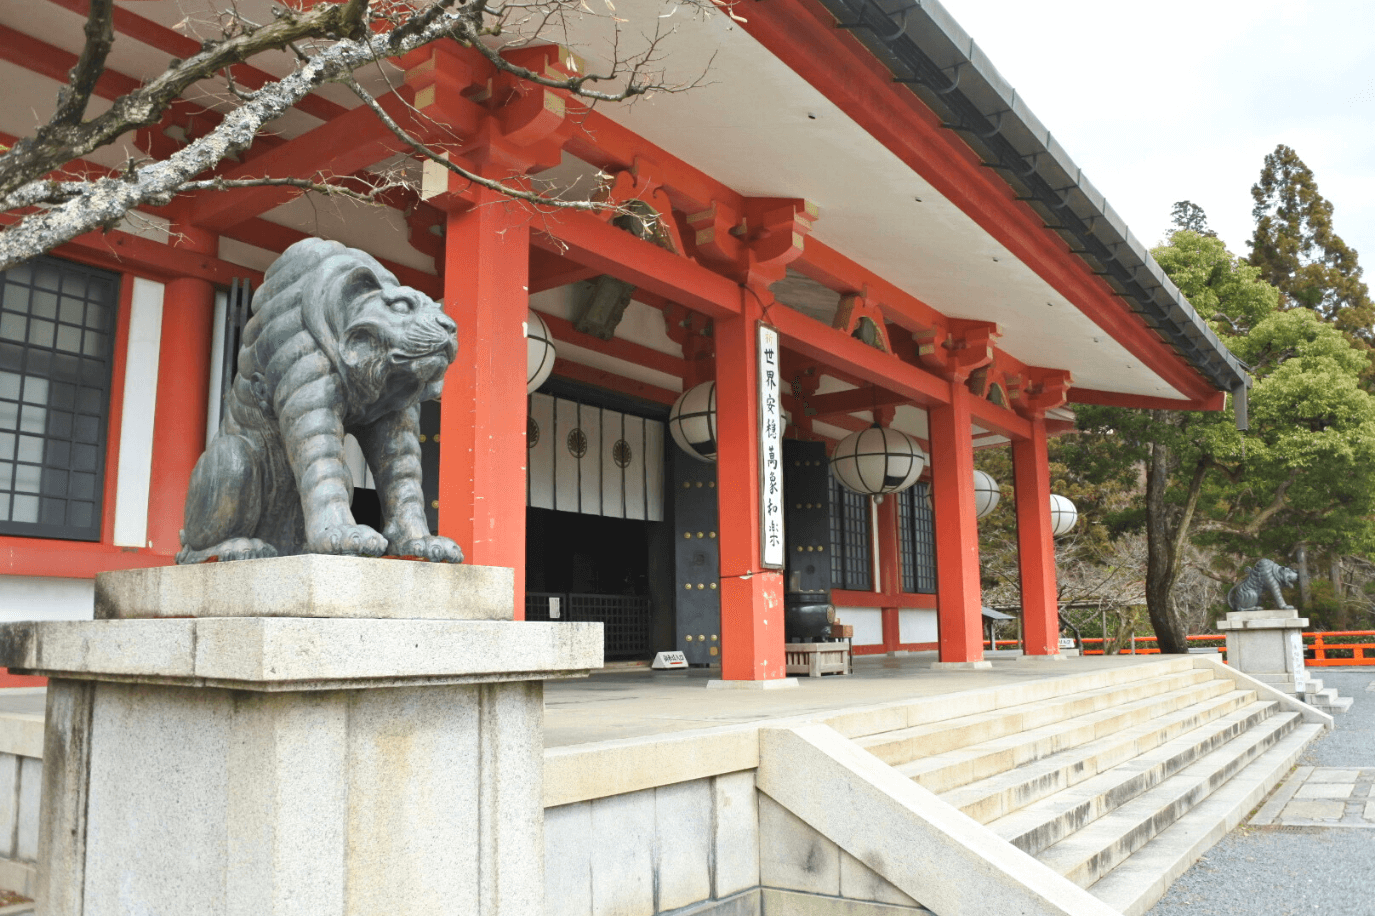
(1119, 788)
(1327, 699)
(1311, 692)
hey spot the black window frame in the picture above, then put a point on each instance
(852, 540)
(76, 413)
(917, 540)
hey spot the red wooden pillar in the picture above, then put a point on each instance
(958, 595)
(483, 411)
(188, 317)
(890, 573)
(1035, 544)
(751, 597)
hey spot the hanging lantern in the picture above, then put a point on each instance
(1063, 515)
(539, 351)
(692, 421)
(986, 494)
(877, 460)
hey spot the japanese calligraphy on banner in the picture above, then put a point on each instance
(770, 451)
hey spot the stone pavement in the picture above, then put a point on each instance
(1307, 849)
(1321, 797)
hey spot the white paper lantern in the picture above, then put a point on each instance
(692, 421)
(1063, 515)
(539, 351)
(986, 494)
(877, 460)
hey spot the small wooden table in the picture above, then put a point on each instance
(814, 659)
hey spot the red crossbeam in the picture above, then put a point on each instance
(606, 249)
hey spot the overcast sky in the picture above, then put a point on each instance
(1182, 99)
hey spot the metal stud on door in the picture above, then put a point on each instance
(697, 560)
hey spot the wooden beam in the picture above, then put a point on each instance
(1144, 402)
(600, 378)
(347, 144)
(617, 348)
(846, 402)
(606, 249)
(550, 271)
(830, 347)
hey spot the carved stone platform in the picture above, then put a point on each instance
(292, 763)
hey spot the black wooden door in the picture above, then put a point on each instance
(697, 559)
(807, 517)
(429, 463)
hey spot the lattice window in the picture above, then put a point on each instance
(917, 539)
(57, 321)
(852, 565)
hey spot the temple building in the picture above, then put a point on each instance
(851, 221)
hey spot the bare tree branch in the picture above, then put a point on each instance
(490, 184)
(106, 200)
(100, 37)
(60, 141)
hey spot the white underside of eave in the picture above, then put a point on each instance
(751, 127)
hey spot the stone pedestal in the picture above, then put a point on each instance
(296, 764)
(1268, 645)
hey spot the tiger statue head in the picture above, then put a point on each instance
(336, 346)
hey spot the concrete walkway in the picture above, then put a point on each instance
(1309, 849)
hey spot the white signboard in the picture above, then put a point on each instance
(554, 610)
(669, 660)
(770, 450)
(1296, 660)
(1066, 642)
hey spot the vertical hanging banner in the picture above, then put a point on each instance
(770, 451)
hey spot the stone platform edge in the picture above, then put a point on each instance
(298, 653)
(310, 585)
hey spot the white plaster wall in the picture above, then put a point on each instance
(136, 425)
(917, 625)
(867, 621)
(46, 598)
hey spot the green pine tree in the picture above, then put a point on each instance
(1298, 251)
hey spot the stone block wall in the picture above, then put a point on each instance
(712, 846)
(21, 783)
(652, 851)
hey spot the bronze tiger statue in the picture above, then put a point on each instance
(336, 345)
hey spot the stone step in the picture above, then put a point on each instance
(998, 795)
(1090, 853)
(1135, 885)
(952, 769)
(907, 744)
(1334, 705)
(1042, 824)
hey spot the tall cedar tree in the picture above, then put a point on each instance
(1298, 252)
(1188, 215)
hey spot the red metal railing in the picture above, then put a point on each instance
(1328, 649)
